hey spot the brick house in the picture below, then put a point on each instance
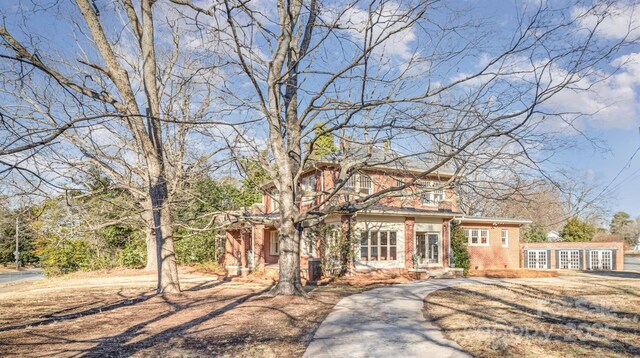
(409, 231)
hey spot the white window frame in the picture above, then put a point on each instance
(431, 197)
(505, 237)
(307, 247)
(539, 264)
(379, 246)
(603, 260)
(308, 185)
(355, 184)
(274, 245)
(570, 261)
(477, 233)
(274, 205)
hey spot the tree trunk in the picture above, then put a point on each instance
(168, 282)
(150, 237)
(163, 229)
(289, 261)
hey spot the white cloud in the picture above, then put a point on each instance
(609, 103)
(619, 20)
(388, 18)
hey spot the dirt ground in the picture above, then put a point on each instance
(118, 314)
(562, 317)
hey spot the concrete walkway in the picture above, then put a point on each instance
(384, 322)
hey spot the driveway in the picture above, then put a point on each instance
(631, 263)
(384, 322)
(9, 277)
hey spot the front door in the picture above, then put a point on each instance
(427, 248)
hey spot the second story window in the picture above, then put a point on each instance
(431, 193)
(308, 183)
(359, 184)
(274, 202)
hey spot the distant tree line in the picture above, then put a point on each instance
(101, 228)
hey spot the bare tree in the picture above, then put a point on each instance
(121, 90)
(371, 71)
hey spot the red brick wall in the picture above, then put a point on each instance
(409, 242)
(495, 256)
(383, 180)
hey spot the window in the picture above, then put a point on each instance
(274, 244)
(275, 205)
(308, 185)
(537, 259)
(308, 245)
(477, 237)
(505, 238)
(360, 184)
(601, 260)
(432, 196)
(366, 186)
(378, 246)
(569, 259)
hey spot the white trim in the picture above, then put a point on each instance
(274, 245)
(478, 219)
(570, 259)
(502, 236)
(538, 265)
(479, 236)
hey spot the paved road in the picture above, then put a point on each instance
(9, 277)
(384, 322)
(631, 263)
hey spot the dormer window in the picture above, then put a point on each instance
(360, 184)
(432, 194)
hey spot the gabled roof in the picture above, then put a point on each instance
(376, 156)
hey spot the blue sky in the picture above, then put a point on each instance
(617, 125)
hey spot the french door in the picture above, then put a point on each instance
(570, 259)
(601, 259)
(428, 248)
(537, 259)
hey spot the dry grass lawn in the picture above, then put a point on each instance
(560, 317)
(119, 315)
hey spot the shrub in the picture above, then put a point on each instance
(533, 233)
(196, 248)
(60, 256)
(134, 253)
(577, 230)
(459, 244)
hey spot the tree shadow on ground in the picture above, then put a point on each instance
(557, 317)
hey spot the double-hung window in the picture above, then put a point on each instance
(308, 185)
(378, 246)
(505, 238)
(432, 193)
(360, 184)
(274, 244)
(477, 237)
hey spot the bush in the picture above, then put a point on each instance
(533, 233)
(459, 244)
(196, 248)
(134, 253)
(61, 256)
